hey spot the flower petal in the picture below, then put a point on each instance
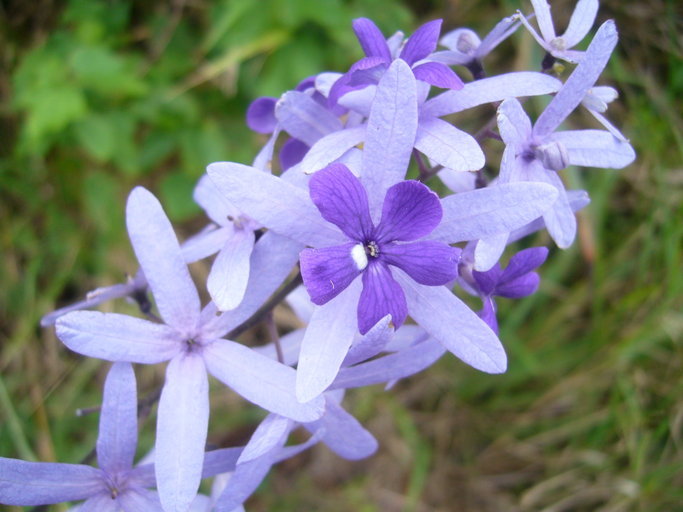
(326, 343)
(213, 202)
(492, 210)
(545, 21)
(158, 252)
(261, 115)
(182, 426)
(116, 337)
(519, 287)
(304, 118)
(118, 436)
(292, 152)
(331, 147)
(371, 39)
(581, 22)
(524, 262)
(137, 500)
(289, 210)
(381, 296)
(454, 325)
(342, 200)
(448, 146)
(43, 483)
(438, 75)
(260, 380)
(427, 261)
(227, 281)
(390, 133)
(410, 211)
(595, 148)
(328, 271)
(422, 42)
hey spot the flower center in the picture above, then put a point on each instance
(371, 249)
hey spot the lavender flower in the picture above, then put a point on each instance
(188, 339)
(559, 46)
(115, 486)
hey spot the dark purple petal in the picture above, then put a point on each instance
(487, 281)
(355, 79)
(488, 314)
(523, 262)
(292, 152)
(327, 272)
(427, 262)
(306, 83)
(342, 200)
(261, 115)
(381, 296)
(520, 287)
(422, 42)
(410, 211)
(371, 39)
(438, 75)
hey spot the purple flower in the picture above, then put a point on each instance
(410, 211)
(115, 486)
(516, 281)
(415, 53)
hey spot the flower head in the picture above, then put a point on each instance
(410, 211)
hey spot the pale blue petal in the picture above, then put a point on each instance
(370, 344)
(581, 22)
(260, 380)
(545, 21)
(213, 202)
(331, 147)
(489, 250)
(116, 337)
(182, 425)
(326, 342)
(513, 123)
(454, 325)
(227, 281)
(267, 437)
(139, 500)
(492, 210)
(158, 252)
(444, 144)
(205, 243)
(118, 435)
(304, 118)
(595, 148)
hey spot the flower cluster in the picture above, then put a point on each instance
(371, 262)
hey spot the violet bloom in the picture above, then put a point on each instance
(415, 53)
(559, 46)
(410, 211)
(116, 486)
(516, 281)
(190, 341)
(536, 153)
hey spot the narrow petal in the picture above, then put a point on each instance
(289, 210)
(381, 296)
(426, 261)
(138, 500)
(438, 75)
(595, 148)
(227, 281)
(261, 115)
(329, 271)
(118, 436)
(371, 344)
(342, 200)
(422, 42)
(326, 343)
(503, 29)
(332, 147)
(581, 22)
(398, 365)
(492, 210)
(487, 281)
(267, 437)
(102, 502)
(488, 314)
(116, 337)
(292, 152)
(343, 434)
(513, 123)
(43, 483)
(448, 146)
(390, 132)
(458, 181)
(454, 325)
(206, 243)
(243, 482)
(490, 90)
(545, 21)
(519, 287)
(304, 118)
(158, 252)
(410, 211)
(525, 261)
(580, 81)
(182, 424)
(219, 461)
(260, 380)
(371, 39)
(489, 250)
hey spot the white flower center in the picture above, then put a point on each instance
(359, 256)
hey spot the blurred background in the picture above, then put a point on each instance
(97, 96)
